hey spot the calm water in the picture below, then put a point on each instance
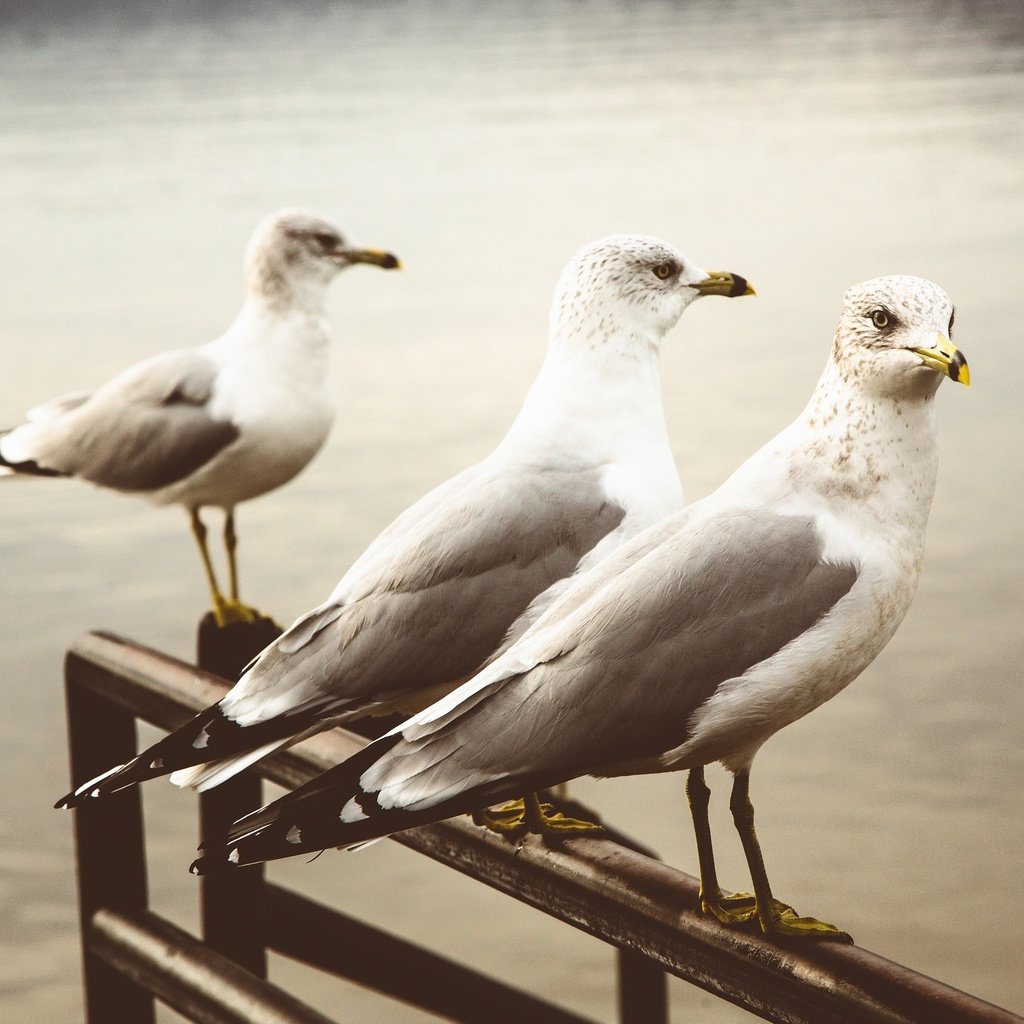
(484, 146)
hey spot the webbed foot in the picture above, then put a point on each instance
(781, 918)
(517, 817)
(784, 920)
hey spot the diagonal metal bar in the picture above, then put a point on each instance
(322, 937)
(187, 975)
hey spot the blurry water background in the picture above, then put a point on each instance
(802, 145)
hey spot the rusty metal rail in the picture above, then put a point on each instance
(639, 905)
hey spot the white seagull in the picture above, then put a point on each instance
(585, 465)
(222, 423)
(700, 638)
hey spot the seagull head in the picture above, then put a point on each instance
(295, 253)
(631, 286)
(894, 337)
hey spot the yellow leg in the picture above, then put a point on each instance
(199, 532)
(231, 546)
(776, 918)
(225, 610)
(530, 815)
(239, 612)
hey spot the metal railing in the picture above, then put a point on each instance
(639, 905)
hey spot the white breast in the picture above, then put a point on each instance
(272, 384)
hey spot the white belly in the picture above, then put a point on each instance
(270, 450)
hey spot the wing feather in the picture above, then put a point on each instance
(146, 429)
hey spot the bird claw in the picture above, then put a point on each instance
(516, 818)
(228, 612)
(734, 908)
(556, 825)
(781, 919)
(507, 820)
(787, 922)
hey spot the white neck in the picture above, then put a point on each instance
(599, 400)
(875, 456)
(297, 340)
(279, 295)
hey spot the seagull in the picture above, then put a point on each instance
(585, 465)
(218, 424)
(698, 639)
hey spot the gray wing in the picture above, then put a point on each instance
(564, 596)
(57, 406)
(435, 604)
(147, 428)
(628, 659)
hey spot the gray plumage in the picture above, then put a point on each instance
(699, 639)
(504, 538)
(219, 424)
(585, 466)
(147, 428)
(673, 615)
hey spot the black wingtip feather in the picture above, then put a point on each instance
(29, 467)
(210, 736)
(307, 820)
(317, 796)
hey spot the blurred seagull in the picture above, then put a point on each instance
(222, 423)
(698, 639)
(585, 465)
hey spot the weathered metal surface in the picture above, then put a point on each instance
(187, 975)
(614, 893)
(240, 912)
(321, 937)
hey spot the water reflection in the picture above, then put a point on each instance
(806, 147)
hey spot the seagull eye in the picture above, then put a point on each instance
(327, 241)
(663, 271)
(879, 318)
(949, 330)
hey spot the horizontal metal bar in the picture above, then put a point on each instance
(596, 885)
(187, 975)
(324, 938)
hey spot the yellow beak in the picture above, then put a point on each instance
(722, 282)
(947, 359)
(377, 257)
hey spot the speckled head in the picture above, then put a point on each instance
(293, 248)
(631, 286)
(893, 337)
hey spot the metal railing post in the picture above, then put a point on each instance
(643, 990)
(110, 846)
(233, 902)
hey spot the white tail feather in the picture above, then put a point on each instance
(202, 777)
(85, 787)
(364, 844)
